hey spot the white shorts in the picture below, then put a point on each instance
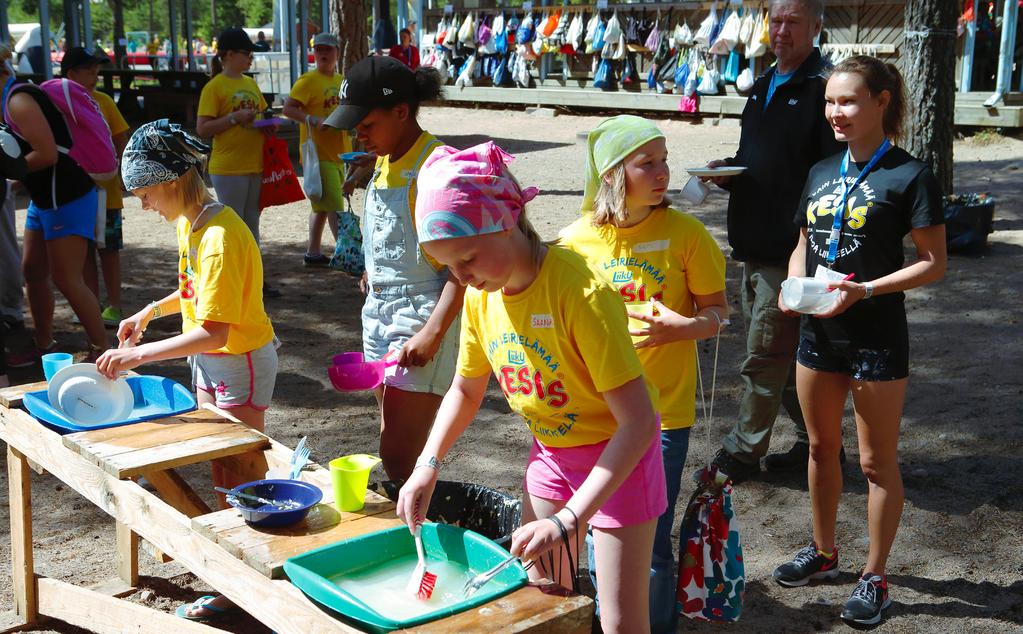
(237, 380)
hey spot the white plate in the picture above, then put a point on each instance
(87, 398)
(731, 170)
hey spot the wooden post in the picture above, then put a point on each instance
(966, 79)
(127, 555)
(22, 567)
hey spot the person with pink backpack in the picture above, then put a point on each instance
(61, 217)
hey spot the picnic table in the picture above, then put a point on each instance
(243, 563)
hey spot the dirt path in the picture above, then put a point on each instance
(956, 566)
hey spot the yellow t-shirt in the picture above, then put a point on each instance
(117, 125)
(318, 95)
(239, 149)
(399, 173)
(555, 348)
(220, 276)
(670, 256)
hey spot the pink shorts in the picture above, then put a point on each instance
(555, 473)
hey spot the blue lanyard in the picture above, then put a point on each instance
(836, 225)
(7, 88)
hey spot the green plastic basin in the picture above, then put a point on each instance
(313, 572)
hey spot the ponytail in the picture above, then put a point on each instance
(216, 65)
(428, 87)
(878, 77)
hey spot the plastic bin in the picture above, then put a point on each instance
(968, 220)
(473, 506)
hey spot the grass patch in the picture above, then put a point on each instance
(987, 136)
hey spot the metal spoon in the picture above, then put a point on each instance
(283, 505)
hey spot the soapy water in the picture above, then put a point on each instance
(382, 587)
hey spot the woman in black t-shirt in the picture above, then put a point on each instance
(60, 221)
(861, 343)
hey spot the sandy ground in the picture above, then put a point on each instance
(956, 564)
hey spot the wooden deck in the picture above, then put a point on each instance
(969, 109)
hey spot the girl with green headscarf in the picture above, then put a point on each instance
(671, 274)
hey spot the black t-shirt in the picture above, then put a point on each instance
(72, 182)
(899, 194)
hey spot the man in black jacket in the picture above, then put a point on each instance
(784, 133)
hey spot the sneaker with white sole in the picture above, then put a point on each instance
(808, 564)
(867, 603)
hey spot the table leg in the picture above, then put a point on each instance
(127, 555)
(23, 568)
(176, 492)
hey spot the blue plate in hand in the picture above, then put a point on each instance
(351, 157)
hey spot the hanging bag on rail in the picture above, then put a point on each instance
(703, 35)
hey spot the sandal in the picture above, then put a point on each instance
(203, 603)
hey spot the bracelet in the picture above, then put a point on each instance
(231, 119)
(561, 527)
(574, 516)
(155, 307)
(431, 462)
(868, 290)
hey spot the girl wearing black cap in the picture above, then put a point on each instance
(412, 304)
(228, 105)
(61, 218)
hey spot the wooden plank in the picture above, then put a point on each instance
(141, 436)
(127, 555)
(176, 492)
(22, 564)
(525, 610)
(236, 439)
(105, 614)
(10, 397)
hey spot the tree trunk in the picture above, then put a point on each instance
(929, 51)
(120, 50)
(348, 22)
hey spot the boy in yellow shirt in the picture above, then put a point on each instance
(313, 97)
(82, 67)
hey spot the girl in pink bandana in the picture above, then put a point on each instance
(555, 335)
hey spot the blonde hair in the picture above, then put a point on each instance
(532, 236)
(192, 190)
(609, 203)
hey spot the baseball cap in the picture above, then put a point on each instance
(79, 57)
(235, 40)
(374, 82)
(326, 39)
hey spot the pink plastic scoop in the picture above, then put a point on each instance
(351, 373)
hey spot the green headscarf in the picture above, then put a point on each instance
(609, 143)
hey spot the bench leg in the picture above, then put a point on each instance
(127, 555)
(23, 568)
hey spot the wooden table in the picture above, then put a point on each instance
(243, 563)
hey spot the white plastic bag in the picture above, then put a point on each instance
(749, 20)
(709, 82)
(729, 35)
(683, 35)
(744, 83)
(758, 43)
(702, 35)
(311, 182)
(467, 32)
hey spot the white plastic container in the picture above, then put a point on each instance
(807, 295)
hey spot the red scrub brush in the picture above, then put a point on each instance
(422, 581)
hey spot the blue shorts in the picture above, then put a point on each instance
(76, 218)
(862, 364)
(390, 316)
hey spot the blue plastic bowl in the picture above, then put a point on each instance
(267, 516)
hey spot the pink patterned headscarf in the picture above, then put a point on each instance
(465, 193)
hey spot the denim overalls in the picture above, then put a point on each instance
(403, 287)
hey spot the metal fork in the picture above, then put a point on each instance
(298, 459)
(483, 578)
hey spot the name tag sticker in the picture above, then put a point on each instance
(542, 321)
(653, 245)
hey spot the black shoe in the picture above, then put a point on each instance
(794, 459)
(318, 261)
(868, 601)
(806, 565)
(737, 470)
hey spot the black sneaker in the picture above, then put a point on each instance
(734, 468)
(806, 565)
(318, 261)
(868, 601)
(793, 460)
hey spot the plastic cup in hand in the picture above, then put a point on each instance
(694, 191)
(807, 294)
(349, 477)
(643, 308)
(53, 362)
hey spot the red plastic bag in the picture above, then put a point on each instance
(280, 184)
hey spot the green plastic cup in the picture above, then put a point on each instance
(349, 476)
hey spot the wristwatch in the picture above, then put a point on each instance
(231, 118)
(428, 461)
(868, 290)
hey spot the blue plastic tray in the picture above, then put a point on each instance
(155, 397)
